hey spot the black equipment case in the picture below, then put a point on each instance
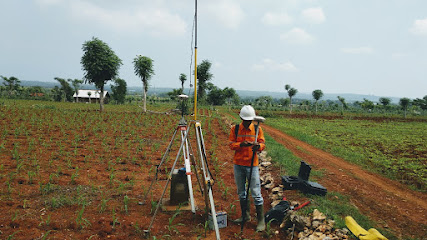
(313, 188)
(301, 182)
(291, 182)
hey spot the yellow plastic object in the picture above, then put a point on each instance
(375, 232)
(361, 233)
(355, 228)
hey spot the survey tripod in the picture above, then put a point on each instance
(205, 183)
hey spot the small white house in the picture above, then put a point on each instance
(90, 96)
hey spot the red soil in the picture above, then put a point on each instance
(29, 211)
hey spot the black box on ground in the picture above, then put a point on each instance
(313, 188)
(304, 171)
(291, 182)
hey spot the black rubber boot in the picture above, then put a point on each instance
(260, 218)
(244, 211)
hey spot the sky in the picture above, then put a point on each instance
(373, 47)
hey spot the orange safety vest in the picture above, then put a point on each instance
(243, 155)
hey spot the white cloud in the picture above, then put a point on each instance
(276, 19)
(399, 55)
(217, 65)
(226, 12)
(153, 20)
(270, 65)
(419, 27)
(314, 15)
(48, 2)
(358, 50)
(297, 36)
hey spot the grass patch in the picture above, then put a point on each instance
(282, 157)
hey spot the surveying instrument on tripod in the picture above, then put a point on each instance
(205, 181)
(200, 165)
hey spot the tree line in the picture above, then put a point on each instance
(383, 105)
(101, 65)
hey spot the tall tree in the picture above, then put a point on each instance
(203, 77)
(76, 85)
(182, 78)
(421, 102)
(291, 92)
(367, 104)
(175, 93)
(385, 101)
(343, 104)
(317, 94)
(216, 96)
(100, 65)
(284, 101)
(56, 93)
(119, 90)
(264, 101)
(404, 103)
(230, 95)
(144, 69)
(12, 84)
(66, 90)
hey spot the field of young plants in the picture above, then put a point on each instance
(68, 171)
(395, 148)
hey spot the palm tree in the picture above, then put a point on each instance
(11, 84)
(89, 93)
(317, 94)
(291, 92)
(182, 78)
(404, 103)
(344, 104)
(144, 69)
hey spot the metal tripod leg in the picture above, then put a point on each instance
(167, 183)
(197, 173)
(160, 164)
(186, 155)
(207, 176)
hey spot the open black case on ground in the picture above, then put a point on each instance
(301, 182)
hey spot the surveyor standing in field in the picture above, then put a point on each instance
(243, 142)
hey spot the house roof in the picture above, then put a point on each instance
(93, 94)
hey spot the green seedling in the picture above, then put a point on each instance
(74, 176)
(46, 235)
(115, 219)
(103, 205)
(82, 222)
(126, 203)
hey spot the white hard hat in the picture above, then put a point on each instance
(247, 112)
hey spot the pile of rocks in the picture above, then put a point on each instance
(313, 227)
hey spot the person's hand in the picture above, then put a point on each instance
(245, 144)
(256, 147)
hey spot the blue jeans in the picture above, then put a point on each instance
(241, 175)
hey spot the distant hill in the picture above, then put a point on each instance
(349, 97)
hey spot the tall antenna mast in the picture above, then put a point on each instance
(195, 62)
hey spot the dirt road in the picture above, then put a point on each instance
(391, 204)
